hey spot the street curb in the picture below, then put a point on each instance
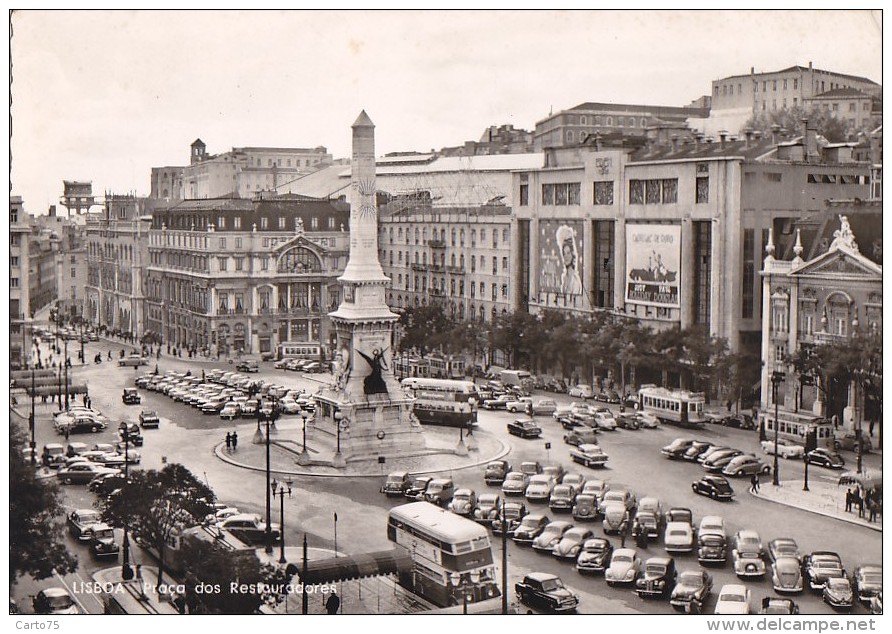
(872, 526)
(218, 452)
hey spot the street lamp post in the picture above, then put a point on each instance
(126, 570)
(859, 439)
(269, 530)
(504, 528)
(31, 421)
(805, 476)
(65, 361)
(776, 378)
(281, 490)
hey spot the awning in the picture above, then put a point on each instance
(386, 562)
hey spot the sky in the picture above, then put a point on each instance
(105, 96)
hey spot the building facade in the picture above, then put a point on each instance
(669, 235)
(71, 276)
(117, 253)
(241, 172)
(167, 183)
(830, 298)
(229, 276)
(458, 256)
(19, 284)
(42, 273)
(856, 109)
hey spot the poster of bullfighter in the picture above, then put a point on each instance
(653, 255)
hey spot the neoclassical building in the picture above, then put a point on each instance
(833, 297)
(231, 274)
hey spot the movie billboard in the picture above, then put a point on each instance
(653, 259)
(561, 259)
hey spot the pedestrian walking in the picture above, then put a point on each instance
(234, 440)
(871, 509)
(228, 441)
(872, 423)
(333, 603)
(849, 497)
(67, 432)
(623, 532)
(754, 483)
(860, 501)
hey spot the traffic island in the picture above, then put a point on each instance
(319, 456)
(823, 498)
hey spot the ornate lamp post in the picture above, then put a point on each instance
(343, 424)
(304, 458)
(776, 379)
(280, 490)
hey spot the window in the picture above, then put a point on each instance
(314, 222)
(603, 193)
(221, 222)
(282, 223)
(774, 87)
(495, 266)
(13, 282)
(785, 84)
(653, 191)
(749, 273)
(264, 222)
(779, 318)
(504, 291)
(780, 353)
(224, 302)
(505, 263)
(222, 243)
(504, 235)
(795, 85)
(222, 263)
(264, 264)
(473, 264)
(561, 193)
(331, 225)
(237, 222)
(73, 272)
(495, 292)
(453, 237)
(14, 260)
(238, 243)
(636, 192)
(524, 195)
(239, 262)
(702, 190)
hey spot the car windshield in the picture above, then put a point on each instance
(488, 500)
(737, 598)
(462, 495)
(838, 583)
(622, 558)
(529, 522)
(655, 569)
(680, 533)
(105, 533)
(60, 602)
(690, 578)
(420, 483)
(514, 476)
(394, 479)
(550, 585)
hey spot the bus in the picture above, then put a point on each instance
(451, 555)
(673, 406)
(794, 427)
(299, 350)
(443, 401)
(518, 378)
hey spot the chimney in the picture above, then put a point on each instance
(757, 135)
(674, 142)
(775, 128)
(811, 141)
(748, 133)
(722, 135)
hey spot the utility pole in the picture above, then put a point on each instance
(504, 561)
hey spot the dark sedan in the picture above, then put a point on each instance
(825, 458)
(715, 487)
(594, 557)
(530, 527)
(691, 590)
(821, 566)
(657, 579)
(495, 472)
(524, 428)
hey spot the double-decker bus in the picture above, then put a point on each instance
(673, 406)
(794, 427)
(443, 401)
(452, 555)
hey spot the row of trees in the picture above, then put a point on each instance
(834, 129)
(154, 505)
(582, 348)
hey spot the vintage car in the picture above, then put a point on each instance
(102, 541)
(499, 402)
(131, 396)
(605, 421)
(582, 390)
(747, 554)
(868, 581)
(54, 601)
(783, 547)
(571, 542)
(693, 452)
(678, 537)
(515, 483)
(650, 516)
(717, 461)
(624, 568)
(545, 591)
(597, 488)
(562, 498)
(576, 480)
(627, 421)
(849, 442)
(512, 514)
(589, 455)
(677, 448)
(712, 548)
(53, 455)
(657, 578)
(785, 449)
(396, 484)
(556, 472)
(585, 508)
(130, 433)
(489, 507)
(530, 527)
(81, 523)
(594, 556)
(692, 588)
(733, 599)
(531, 467)
(581, 436)
(148, 419)
(419, 486)
(496, 471)
(786, 575)
(820, 566)
(615, 514)
(464, 501)
(439, 491)
(524, 428)
(825, 458)
(647, 420)
(778, 605)
(715, 487)
(838, 593)
(623, 496)
(746, 465)
(81, 472)
(539, 489)
(249, 528)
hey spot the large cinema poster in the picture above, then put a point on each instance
(653, 257)
(561, 260)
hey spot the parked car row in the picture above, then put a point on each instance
(302, 365)
(79, 419)
(87, 527)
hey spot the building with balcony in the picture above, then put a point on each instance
(832, 297)
(230, 275)
(670, 234)
(19, 284)
(458, 256)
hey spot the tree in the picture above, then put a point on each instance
(213, 565)
(36, 545)
(425, 328)
(834, 129)
(156, 505)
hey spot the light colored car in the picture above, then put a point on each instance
(647, 420)
(605, 421)
(589, 455)
(289, 406)
(625, 566)
(551, 535)
(746, 465)
(539, 489)
(597, 488)
(464, 501)
(230, 411)
(582, 390)
(679, 537)
(515, 483)
(733, 598)
(785, 449)
(747, 554)
(713, 524)
(571, 542)
(786, 575)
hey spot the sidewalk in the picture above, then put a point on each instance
(824, 498)
(286, 447)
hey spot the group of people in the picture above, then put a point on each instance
(860, 498)
(638, 534)
(231, 441)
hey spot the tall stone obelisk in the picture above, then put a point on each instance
(366, 400)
